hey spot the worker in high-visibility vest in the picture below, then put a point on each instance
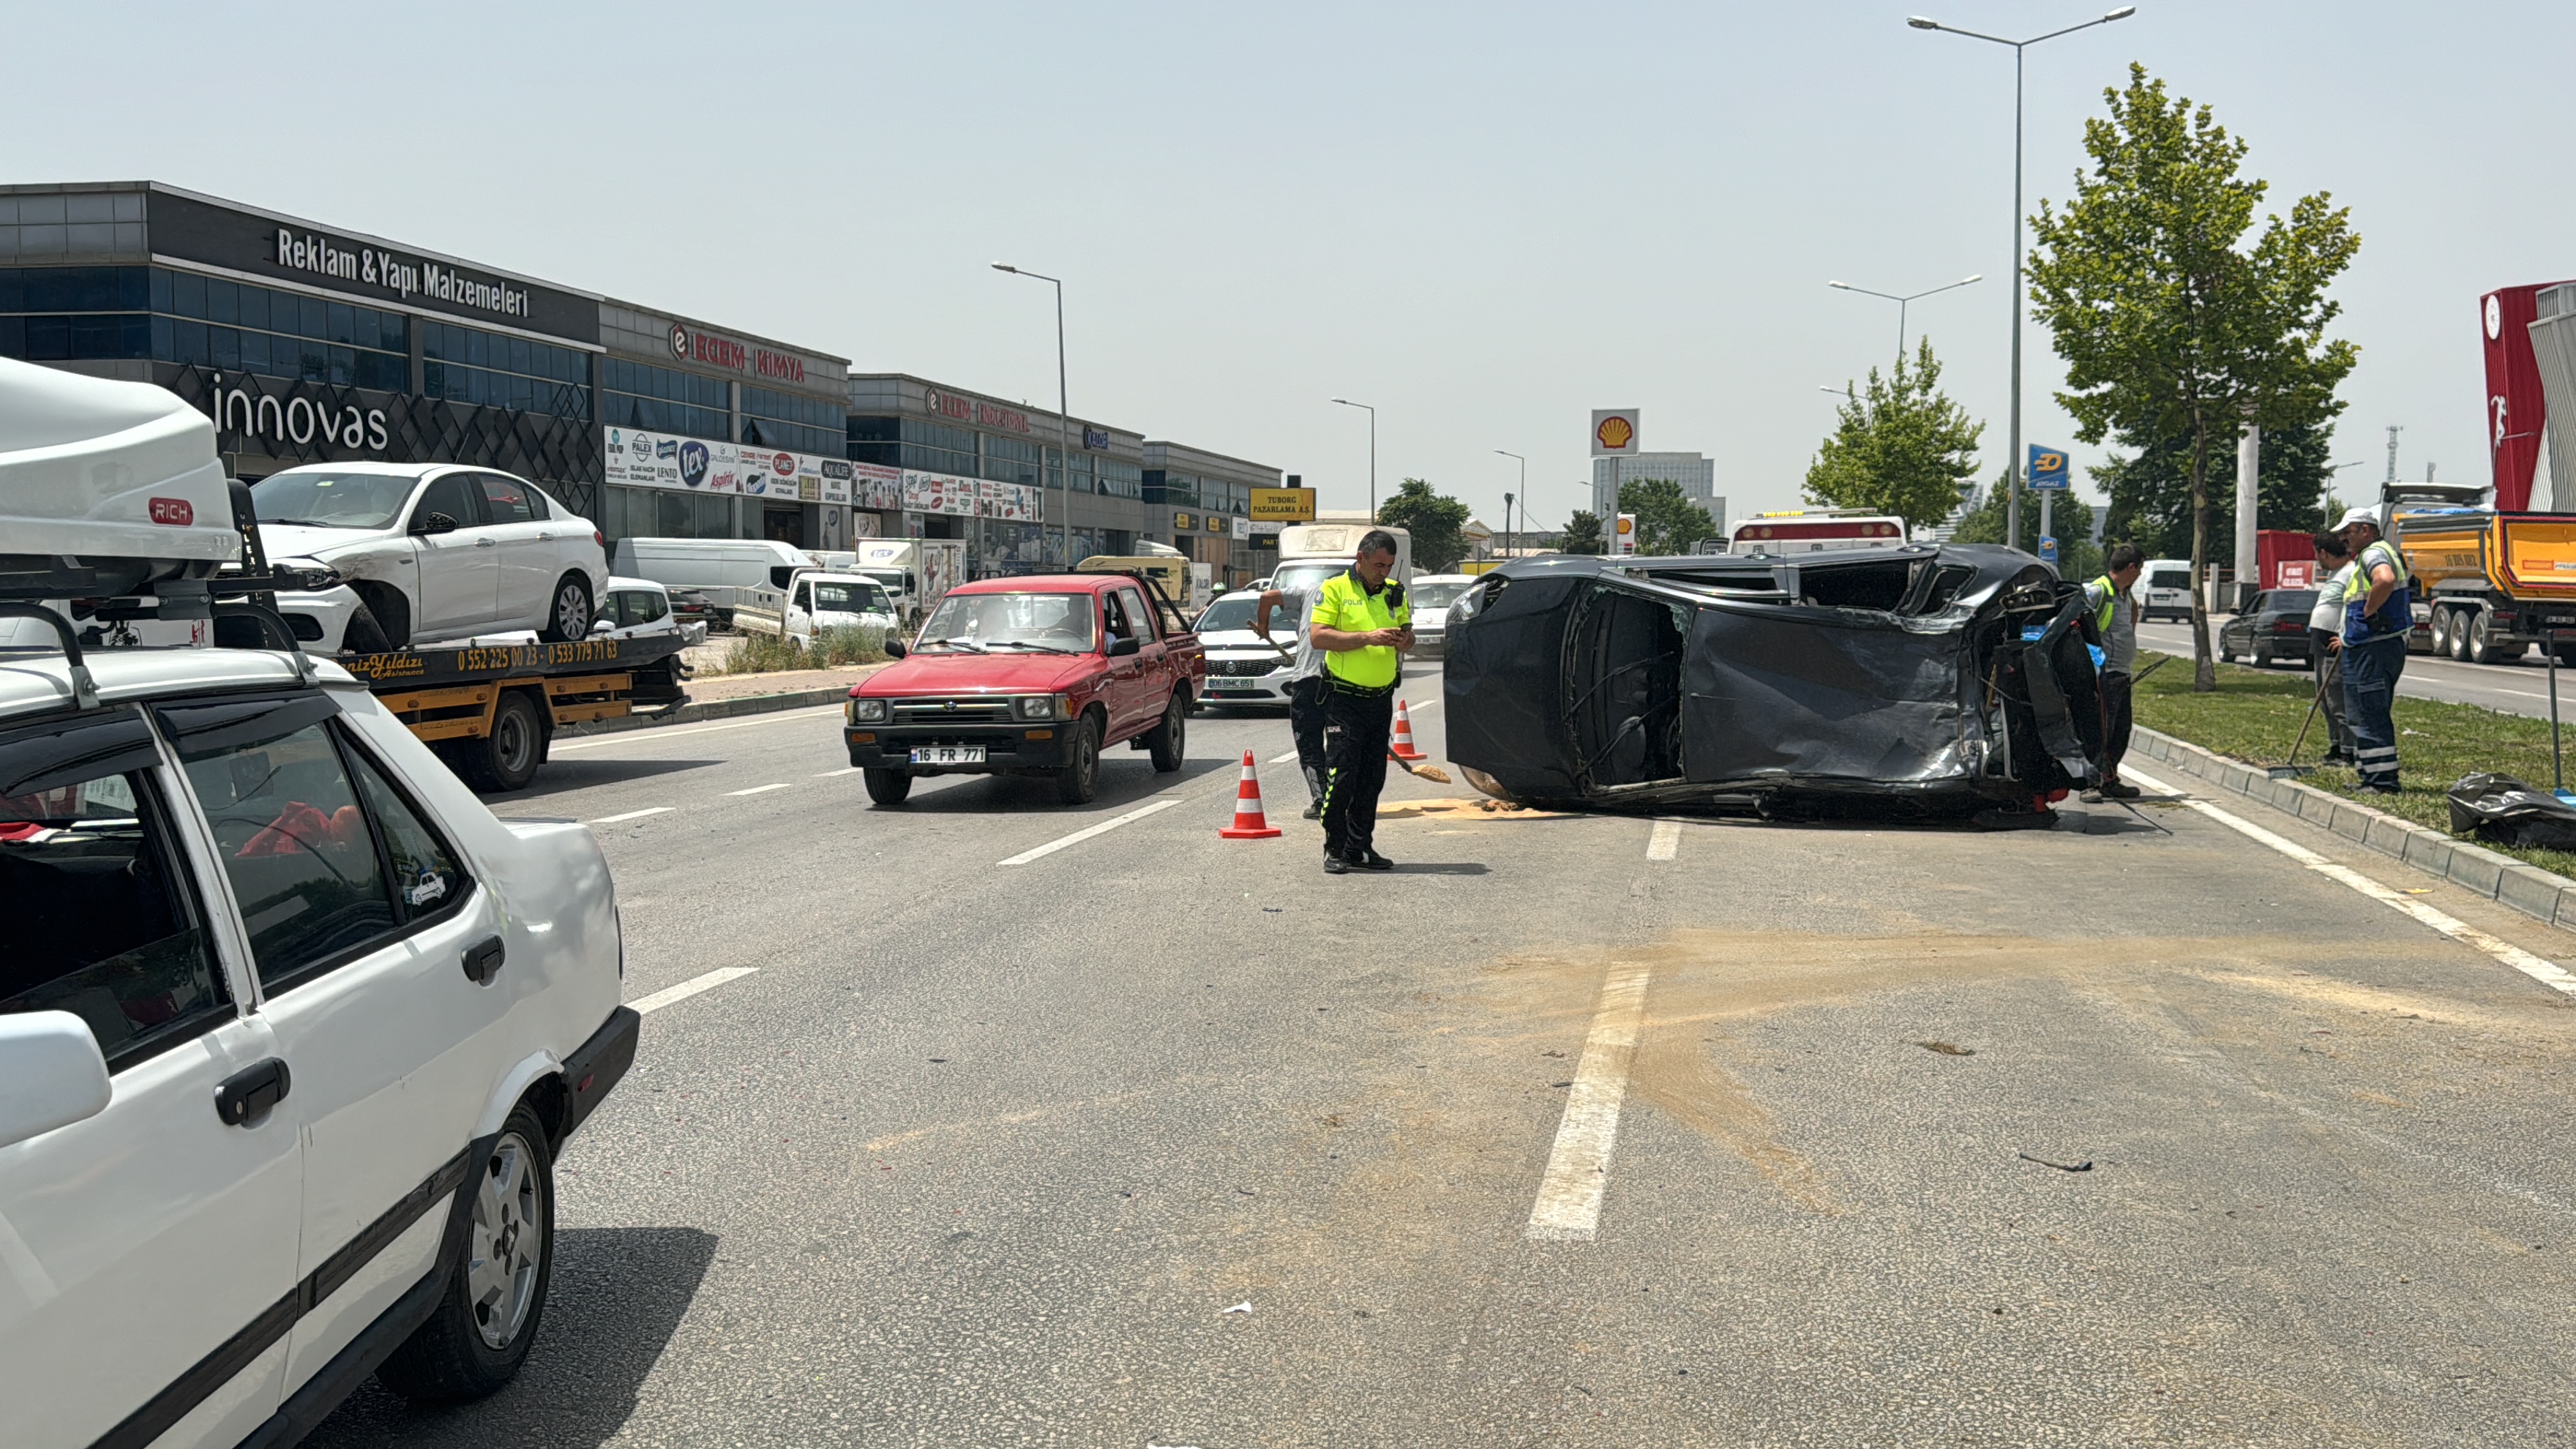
(2378, 613)
(2115, 618)
(1361, 624)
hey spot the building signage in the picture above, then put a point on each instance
(1242, 527)
(690, 344)
(249, 244)
(298, 418)
(1215, 523)
(699, 465)
(958, 497)
(1184, 522)
(1614, 432)
(1284, 505)
(976, 411)
(291, 422)
(1096, 439)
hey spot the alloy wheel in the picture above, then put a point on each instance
(507, 1244)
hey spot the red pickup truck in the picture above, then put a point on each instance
(1030, 676)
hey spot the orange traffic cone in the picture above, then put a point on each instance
(1249, 822)
(1403, 748)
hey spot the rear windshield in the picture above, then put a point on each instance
(2291, 600)
(2169, 579)
(324, 499)
(971, 623)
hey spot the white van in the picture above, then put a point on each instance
(723, 569)
(2164, 589)
(1310, 553)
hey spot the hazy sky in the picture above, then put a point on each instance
(1486, 219)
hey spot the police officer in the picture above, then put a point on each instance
(1360, 624)
(1306, 688)
(2378, 611)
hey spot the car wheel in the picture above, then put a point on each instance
(2225, 654)
(2262, 657)
(1167, 741)
(1079, 780)
(476, 1338)
(392, 612)
(364, 635)
(887, 787)
(507, 758)
(568, 617)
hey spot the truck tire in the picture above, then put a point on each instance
(2459, 634)
(568, 611)
(479, 1334)
(2484, 647)
(507, 758)
(2441, 629)
(1079, 780)
(1167, 742)
(887, 787)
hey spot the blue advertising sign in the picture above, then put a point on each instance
(2047, 469)
(2048, 550)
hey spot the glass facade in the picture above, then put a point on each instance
(62, 314)
(663, 513)
(788, 420)
(465, 365)
(663, 400)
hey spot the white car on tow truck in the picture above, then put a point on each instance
(291, 1027)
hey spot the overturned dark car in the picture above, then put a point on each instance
(1924, 681)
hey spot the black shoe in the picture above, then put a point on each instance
(2120, 790)
(2379, 790)
(1371, 860)
(1315, 811)
(1335, 865)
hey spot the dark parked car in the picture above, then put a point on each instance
(1922, 680)
(2274, 630)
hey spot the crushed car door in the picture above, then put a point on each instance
(1791, 693)
(1624, 682)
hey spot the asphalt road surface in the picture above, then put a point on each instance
(2518, 688)
(1588, 1130)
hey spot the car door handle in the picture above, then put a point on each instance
(250, 1092)
(483, 960)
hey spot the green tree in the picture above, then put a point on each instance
(1582, 533)
(1898, 446)
(1668, 522)
(2151, 492)
(2078, 557)
(1433, 519)
(2172, 326)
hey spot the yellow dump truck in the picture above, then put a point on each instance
(2488, 583)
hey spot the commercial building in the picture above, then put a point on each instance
(1694, 472)
(308, 343)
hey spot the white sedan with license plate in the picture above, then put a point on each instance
(1243, 667)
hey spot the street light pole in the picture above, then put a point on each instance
(2014, 469)
(1372, 412)
(1063, 446)
(1902, 301)
(1507, 498)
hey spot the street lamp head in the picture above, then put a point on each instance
(2123, 13)
(1004, 267)
(1846, 286)
(1972, 277)
(1921, 22)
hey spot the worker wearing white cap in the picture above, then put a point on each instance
(2378, 612)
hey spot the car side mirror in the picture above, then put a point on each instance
(429, 523)
(894, 649)
(1122, 645)
(603, 626)
(51, 1074)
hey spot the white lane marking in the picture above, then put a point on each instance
(757, 790)
(836, 774)
(1289, 758)
(1666, 842)
(1079, 836)
(631, 815)
(1569, 1196)
(647, 1005)
(2547, 973)
(648, 736)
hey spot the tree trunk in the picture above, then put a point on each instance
(2204, 673)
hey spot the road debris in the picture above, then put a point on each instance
(2085, 1166)
(1947, 1049)
(1244, 1307)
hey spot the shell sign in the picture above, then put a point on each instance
(1614, 432)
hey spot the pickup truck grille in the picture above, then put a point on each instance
(1243, 668)
(971, 710)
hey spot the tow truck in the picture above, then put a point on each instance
(78, 532)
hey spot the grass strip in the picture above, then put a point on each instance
(2254, 715)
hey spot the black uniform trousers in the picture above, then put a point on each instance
(1356, 725)
(2115, 687)
(1306, 722)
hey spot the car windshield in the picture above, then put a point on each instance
(2290, 601)
(323, 499)
(841, 597)
(1438, 596)
(1237, 611)
(974, 622)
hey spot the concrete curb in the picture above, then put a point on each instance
(712, 709)
(2540, 894)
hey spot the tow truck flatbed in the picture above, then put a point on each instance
(493, 708)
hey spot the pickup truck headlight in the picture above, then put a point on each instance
(867, 711)
(1039, 706)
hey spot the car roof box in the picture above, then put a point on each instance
(106, 487)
